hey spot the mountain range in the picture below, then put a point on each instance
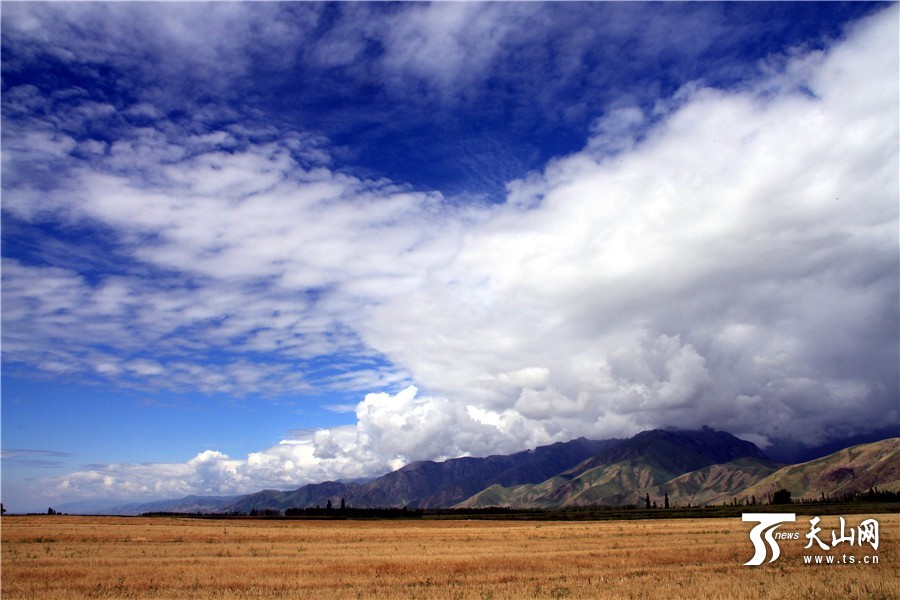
(429, 484)
(696, 468)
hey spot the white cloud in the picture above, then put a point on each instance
(720, 257)
(209, 472)
(145, 367)
(529, 377)
(391, 431)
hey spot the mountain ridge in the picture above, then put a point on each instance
(690, 467)
(429, 484)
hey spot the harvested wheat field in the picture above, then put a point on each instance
(109, 557)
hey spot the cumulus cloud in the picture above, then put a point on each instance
(744, 247)
(209, 472)
(728, 258)
(392, 430)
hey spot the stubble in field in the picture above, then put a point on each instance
(106, 557)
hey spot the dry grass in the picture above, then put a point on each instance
(107, 557)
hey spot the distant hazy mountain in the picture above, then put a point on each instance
(90, 507)
(188, 504)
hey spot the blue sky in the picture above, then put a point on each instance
(251, 246)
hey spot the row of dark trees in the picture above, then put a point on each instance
(783, 496)
(341, 511)
(873, 494)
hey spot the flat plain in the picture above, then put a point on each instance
(161, 557)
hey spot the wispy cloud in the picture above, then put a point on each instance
(39, 459)
(246, 249)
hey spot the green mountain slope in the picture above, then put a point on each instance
(690, 473)
(624, 473)
(854, 469)
(714, 484)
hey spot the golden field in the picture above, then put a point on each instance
(109, 557)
